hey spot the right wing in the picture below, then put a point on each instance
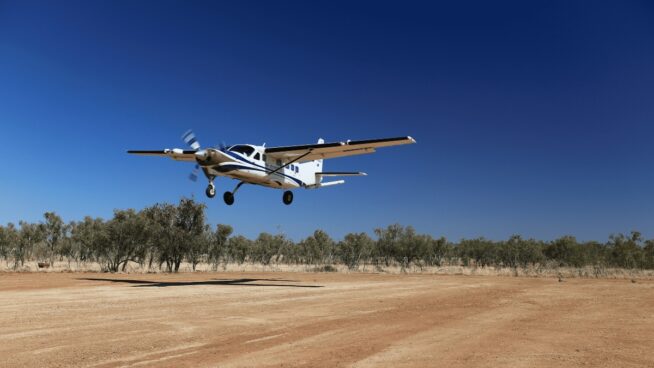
(319, 151)
(175, 154)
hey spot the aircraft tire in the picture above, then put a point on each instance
(287, 198)
(228, 197)
(211, 191)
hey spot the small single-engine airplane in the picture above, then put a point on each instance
(287, 167)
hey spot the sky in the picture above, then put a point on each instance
(531, 117)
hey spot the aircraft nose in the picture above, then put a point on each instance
(201, 155)
(210, 156)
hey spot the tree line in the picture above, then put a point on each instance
(165, 235)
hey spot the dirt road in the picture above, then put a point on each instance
(327, 320)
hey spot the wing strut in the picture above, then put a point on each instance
(290, 162)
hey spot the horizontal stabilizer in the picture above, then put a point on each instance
(327, 184)
(341, 173)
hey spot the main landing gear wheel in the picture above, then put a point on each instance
(228, 197)
(287, 197)
(211, 191)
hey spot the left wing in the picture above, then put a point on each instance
(319, 151)
(175, 154)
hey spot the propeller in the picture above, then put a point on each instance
(201, 154)
(192, 142)
(189, 139)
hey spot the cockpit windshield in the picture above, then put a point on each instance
(246, 150)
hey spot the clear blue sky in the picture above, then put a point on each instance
(531, 117)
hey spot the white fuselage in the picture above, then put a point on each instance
(248, 163)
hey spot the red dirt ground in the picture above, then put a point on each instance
(322, 320)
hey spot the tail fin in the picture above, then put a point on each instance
(318, 166)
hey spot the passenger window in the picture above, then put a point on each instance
(297, 169)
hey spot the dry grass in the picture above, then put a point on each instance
(533, 271)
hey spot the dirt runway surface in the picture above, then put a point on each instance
(322, 320)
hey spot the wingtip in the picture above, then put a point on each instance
(411, 139)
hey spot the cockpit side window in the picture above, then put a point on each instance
(256, 156)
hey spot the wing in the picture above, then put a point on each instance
(175, 154)
(319, 151)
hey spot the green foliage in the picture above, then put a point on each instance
(355, 248)
(626, 251)
(8, 239)
(217, 251)
(168, 234)
(176, 232)
(54, 234)
(480, 252)
(238, 249)
(126, 237)
(88, 237)
(318, 248)
(28, 237)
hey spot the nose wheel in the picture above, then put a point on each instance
(287, 197)
(211, 190)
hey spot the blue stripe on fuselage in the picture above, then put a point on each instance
(258, 168)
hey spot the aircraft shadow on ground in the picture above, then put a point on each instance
(224, 282)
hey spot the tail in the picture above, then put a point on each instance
(318, 163)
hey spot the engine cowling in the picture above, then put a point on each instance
(210, 156)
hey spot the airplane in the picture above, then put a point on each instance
(284, 167)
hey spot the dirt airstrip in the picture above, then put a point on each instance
(322, 320)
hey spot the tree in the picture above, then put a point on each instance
(267, 247)
(520, 252)
(190, 228)
(648, 254)
(438, 250)
(563, 251)
(626, 251)
(218, 246)
(198, 247)
(482, 251)
(387, 240)
(126, 238)
(401, 244)
(29, 236)
(8, 239)
(318, 248)
(90, 238)
(54, 231)
(238, 248)
(354, 248)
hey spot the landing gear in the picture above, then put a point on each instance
(228, 197)
(211, 190)
(287, 197)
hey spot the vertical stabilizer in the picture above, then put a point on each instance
(318, 166)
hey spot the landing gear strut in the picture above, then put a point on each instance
(228, 197)
(287, 197)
